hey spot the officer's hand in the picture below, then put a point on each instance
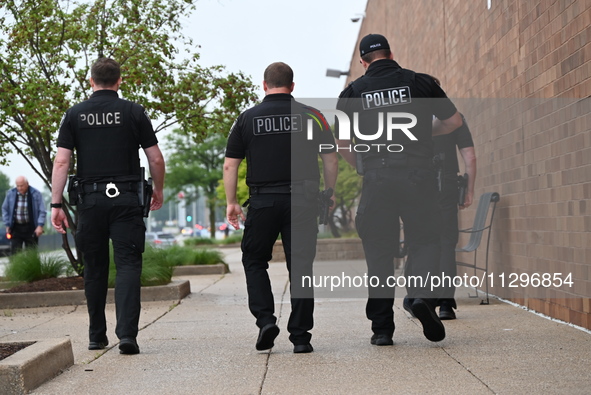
(59, 220)
(467, 200)
(233, 214)
(157, 198)
(334, 203)
(38, 231)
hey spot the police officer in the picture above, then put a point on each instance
(391, 117)
(106, 133)
(283, 180)
(447, 160)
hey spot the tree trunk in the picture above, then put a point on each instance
(212, 228)
(77, 264)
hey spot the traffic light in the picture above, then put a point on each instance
(189, 218)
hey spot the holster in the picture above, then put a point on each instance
(324, 204)
(74, 190)
(147, 196)
(144, 192)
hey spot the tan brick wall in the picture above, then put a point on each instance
(521, 73)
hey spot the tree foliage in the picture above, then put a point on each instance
(4, 186)
(48, 46)
(196, 167)
(348, 190)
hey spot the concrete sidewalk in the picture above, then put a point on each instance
(205, 345)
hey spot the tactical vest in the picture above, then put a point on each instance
(106, 139)
(380, 97)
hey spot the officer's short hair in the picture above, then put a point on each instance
(105, 72)
(278, 75)
(378, 54)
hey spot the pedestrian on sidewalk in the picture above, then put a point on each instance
(106, 133)
(283, 180)
(399, 179)
(23, 213)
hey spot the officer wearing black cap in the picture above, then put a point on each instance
(391, 125)
(280, 139)
(446, 160)
(106, 133)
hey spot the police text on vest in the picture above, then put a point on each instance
(272, 124)
(100, 119)
(386, 97)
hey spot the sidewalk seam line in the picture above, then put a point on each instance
(468, 370)
(269, 354)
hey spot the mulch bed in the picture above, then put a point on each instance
(50, 284)
(7, 350)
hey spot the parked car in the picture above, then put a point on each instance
(4, 240)
(160, 239)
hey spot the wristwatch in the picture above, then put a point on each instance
(56, 205)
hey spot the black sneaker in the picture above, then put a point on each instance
(129, 346)
(267, 335)
(381, 340)
(433, 328)
(98, 345)
(446, 312)
(302, 348)
(407, 303)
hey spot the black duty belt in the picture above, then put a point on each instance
(389, 162)
(90, 187)
(280, 189)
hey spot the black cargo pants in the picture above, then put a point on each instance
(387, 194)
(119, 219)
(296, 220)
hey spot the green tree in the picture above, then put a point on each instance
(4, 185)
(196, 168)
(48, 46)
(348, 189)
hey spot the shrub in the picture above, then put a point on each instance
(29, 266)
(156, 269)
(235, 238)
(181, 256)
(195, 241)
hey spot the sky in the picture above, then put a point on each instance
(248, 35)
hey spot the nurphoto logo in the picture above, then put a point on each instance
(392, 123)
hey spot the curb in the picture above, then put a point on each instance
(30, 367)
(175, 290)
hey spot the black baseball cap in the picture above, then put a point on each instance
(372, 42)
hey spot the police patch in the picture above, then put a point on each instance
(386, 97)
(99, 119)
(274, 124)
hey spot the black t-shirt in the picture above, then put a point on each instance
(446, 144)
(384, 97)
(106, 133)
(274, 138)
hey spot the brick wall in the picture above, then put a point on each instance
(521, 73)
